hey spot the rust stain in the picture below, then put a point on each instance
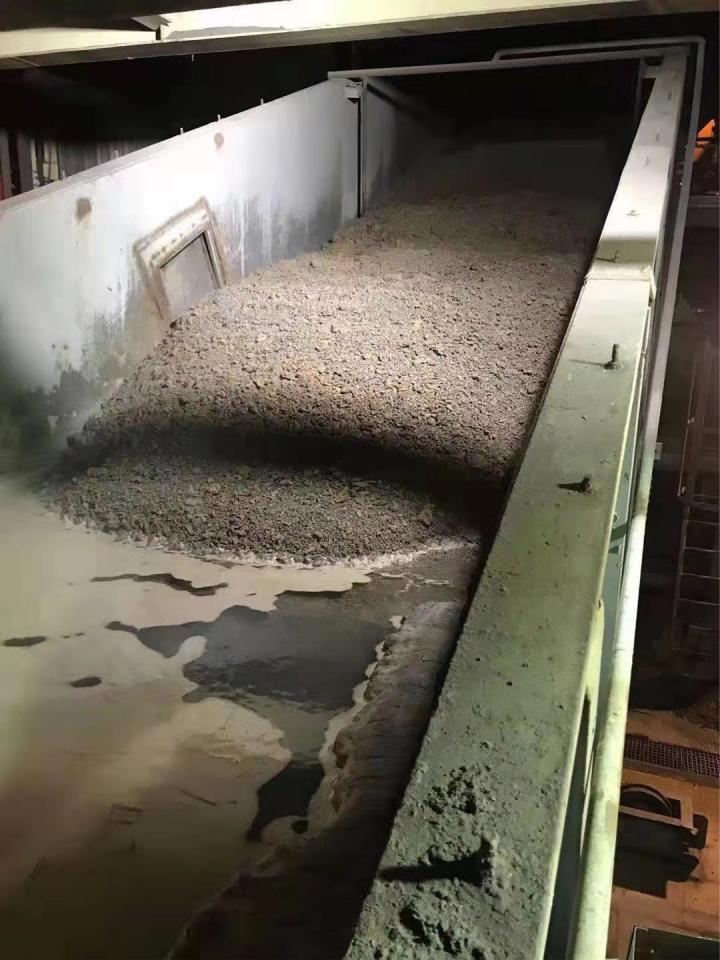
(83, 208)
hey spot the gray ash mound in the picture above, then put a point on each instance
(369, 398)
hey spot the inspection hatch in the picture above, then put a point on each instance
(182, 260)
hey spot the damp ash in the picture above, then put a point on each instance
(176, 583)
(271, 913)
(369, 398)
(90, 681)
(24, 641)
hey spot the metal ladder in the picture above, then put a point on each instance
(696, 602)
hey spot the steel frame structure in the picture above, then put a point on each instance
(532, 712)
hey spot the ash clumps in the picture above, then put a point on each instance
(369, 398)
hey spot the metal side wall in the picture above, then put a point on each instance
(396, 131)
(75, 310)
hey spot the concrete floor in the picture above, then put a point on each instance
(138, 737)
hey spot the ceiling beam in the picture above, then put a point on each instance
(279, 23)
(155, 23)
(50, 13)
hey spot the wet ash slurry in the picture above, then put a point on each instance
(263, 426)
(24, 641)
(176, 583)
(273, 912)
(90, 681)
(296, 666)
(125, 806)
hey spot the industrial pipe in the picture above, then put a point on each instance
(493, 65)
(593, 909)
(609, 44)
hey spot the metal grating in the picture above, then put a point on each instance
(702, 763)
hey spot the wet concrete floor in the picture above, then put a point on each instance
(169, 722)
